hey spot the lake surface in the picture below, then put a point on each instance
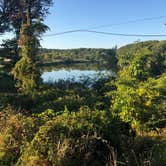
(75, 75)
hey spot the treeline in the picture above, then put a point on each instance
(63, 56)
(74, 55)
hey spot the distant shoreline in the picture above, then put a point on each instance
(70, 62)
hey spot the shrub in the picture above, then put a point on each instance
(76, 135)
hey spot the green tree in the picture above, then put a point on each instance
(25, 70)
(139, 98)
(110, 56)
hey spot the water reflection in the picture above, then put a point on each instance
(75, 75)
(75, 72)
(79, 66)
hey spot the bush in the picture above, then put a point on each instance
(76, 135)
(11, 137)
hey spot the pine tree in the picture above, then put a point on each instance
(25, 70)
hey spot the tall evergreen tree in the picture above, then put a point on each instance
(32, 15)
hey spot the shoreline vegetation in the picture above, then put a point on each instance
(69, 62)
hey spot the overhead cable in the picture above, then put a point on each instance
(104, 33)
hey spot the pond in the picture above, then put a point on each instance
(74, 73)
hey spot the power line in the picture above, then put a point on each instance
(105, 33)
(90, 30)
(128, 22)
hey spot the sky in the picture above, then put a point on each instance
(85, 14)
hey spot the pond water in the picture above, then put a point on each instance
(76, 73)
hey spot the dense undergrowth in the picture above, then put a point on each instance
(117, 121)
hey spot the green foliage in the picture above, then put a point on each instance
(146, 150)
(120, 119)
(111, 58)
(27, 20)
(140, 95)
(25, 72)
(69, 152)
(153, 52)
(25, 69)
(6, 83)
(60, 139)
(141, 104)
(11, 136)
(82, 55)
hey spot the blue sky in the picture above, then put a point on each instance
(85, 14)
